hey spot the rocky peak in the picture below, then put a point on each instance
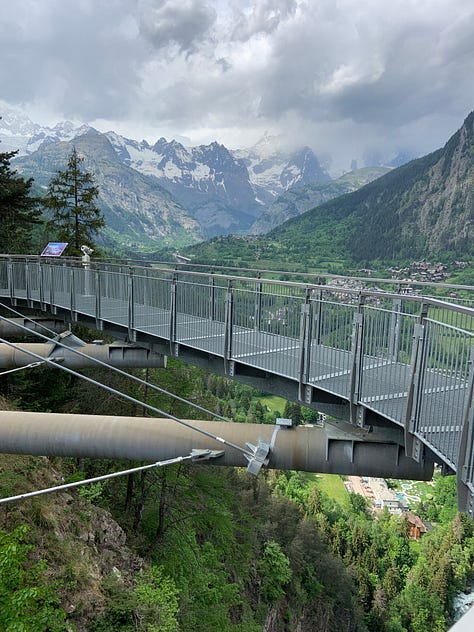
(15, 123)
(303, 168)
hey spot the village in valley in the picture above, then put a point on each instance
(380, 497)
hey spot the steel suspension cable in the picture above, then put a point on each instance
(96, 479)
(116, 369)
(130, 398)
(20, 368)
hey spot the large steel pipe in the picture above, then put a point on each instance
(15, 327)
(116, 354)
(305, 448)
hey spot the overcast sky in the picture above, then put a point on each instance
(346, 77)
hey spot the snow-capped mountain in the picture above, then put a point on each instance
(273, 169)
(224, 191)
(18, 132)
(207, 180)
(139, 214)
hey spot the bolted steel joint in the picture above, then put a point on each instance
(258, 458)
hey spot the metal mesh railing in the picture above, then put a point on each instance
(387, 348)
(331, 343)
(356, 343)
(444, 384)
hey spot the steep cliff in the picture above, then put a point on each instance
(424, 208)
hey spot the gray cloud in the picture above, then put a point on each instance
(263, 17)
(79, 58)
(167, 22)
(382, 70)
(346, 78)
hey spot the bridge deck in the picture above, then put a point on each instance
(411, 370)
(383, 383)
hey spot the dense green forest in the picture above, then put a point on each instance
(207, 548)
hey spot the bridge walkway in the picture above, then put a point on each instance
(404, 360)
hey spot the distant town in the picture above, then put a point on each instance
(416, 272)
(427, 272)
(380, 497)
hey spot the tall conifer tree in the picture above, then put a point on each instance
(71, 199)
(18, 210)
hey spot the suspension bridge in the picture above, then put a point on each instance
(392, 368)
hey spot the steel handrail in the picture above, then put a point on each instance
(303, 287)
(214, 270)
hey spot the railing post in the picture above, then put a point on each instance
(413, 445)
(98, 305)
(62, 273)
(131, 306)
(258, 303)
(356, 366)
(305, 345)
(318, 318)
(212, 297)
(10, 281)
(51, 290)
(173, 314)
(72, 295)
(27, 283)
(465, 460)
(146, 286)
(41, 286)
(395, 327)
(229, 305)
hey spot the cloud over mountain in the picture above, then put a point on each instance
(343, 78)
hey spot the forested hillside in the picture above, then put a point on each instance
(422, 209)
(140, 214)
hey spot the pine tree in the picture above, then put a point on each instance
(71, 199)
(293, 411)
(18, 210)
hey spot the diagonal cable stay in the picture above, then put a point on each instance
(195, 455)
(21, 368)
(111, 368)
(110, 389)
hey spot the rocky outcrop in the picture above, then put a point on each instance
(300, 199)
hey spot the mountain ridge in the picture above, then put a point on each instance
(157, 218)
(225, 191)
(298, 200)
(217, 191)
(425, 207)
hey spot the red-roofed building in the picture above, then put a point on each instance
(416, 526)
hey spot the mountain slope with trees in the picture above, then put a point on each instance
(199, 548)
(181, 548)
(424, 208)
(223, 190)
(139, 214)
(300, 199)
